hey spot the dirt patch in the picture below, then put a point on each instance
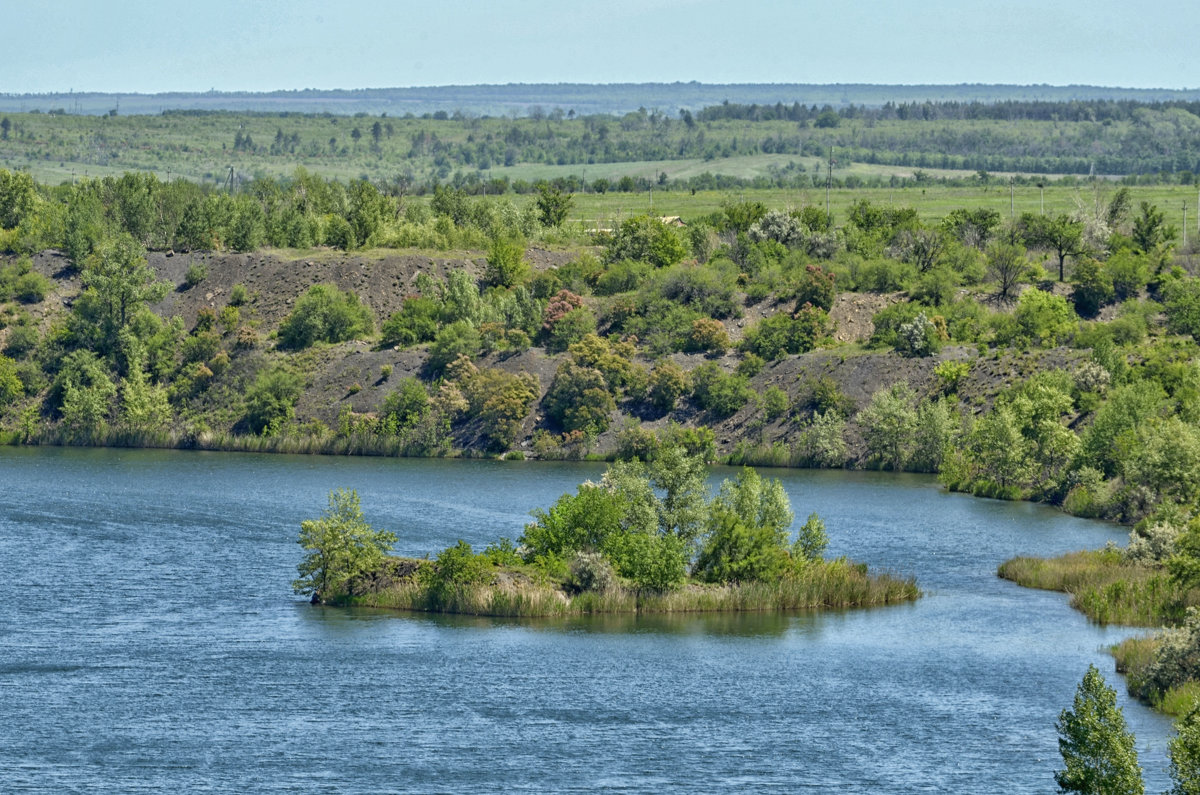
(275, 281)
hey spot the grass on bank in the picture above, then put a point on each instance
(1105, 587)
(513, 592)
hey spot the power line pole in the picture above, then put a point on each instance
(828, 181)
(1011, 205)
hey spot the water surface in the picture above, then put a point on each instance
(149, 641)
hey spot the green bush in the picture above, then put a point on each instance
(579, 399)
(416, 322)
(668, 383)
(271, 400)
(782, 334)
(454, 340)
(325, 314)
(717, 392)
(458, 567)
(196, 273)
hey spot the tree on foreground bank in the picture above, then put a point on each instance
(341, 545)
(1096, 748)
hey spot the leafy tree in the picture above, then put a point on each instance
(1098, 752)
(10, 385)
(811, 540)
(117, 283)
(746, 531)
(340, 545)
(417, 321)
(1058, 233)
(888, 424)
(579, 399)
(1184, 750)
(271, 400)
(553, 205)
(668, 383)
(18, 197)
(325, 314)
(506, 266)
(404, 407)
(1044, 318)
(719, 392)
(1093, 287)
(454, 340)
(1150, 230)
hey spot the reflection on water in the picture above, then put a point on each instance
(149, 640)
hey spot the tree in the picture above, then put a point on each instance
(340, 545)
(889, 424)
(117, 282)
(1150, 229)
(1098, 752)
(18, 197)
(1059, 233)
(506, 265)
(553, 205)
(1006, 266)
(271, 401)
(1185, 754)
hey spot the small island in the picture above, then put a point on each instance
(647, 537)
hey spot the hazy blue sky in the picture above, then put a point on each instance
(164, 45)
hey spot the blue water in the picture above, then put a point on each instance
(149, 641)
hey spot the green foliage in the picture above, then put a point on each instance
(1184, 750)
(1099, 753)
(196, 273)
(553, 205)
(888, 425)
(416, 322)
(746, 532)
(500, 401)
(774, 403)
(271, 400)
(579, 399)
(718, 392)
(811, 540)
(457, 339)
(646, 239)
(11, 387)
(325, 314)
(506, 265)
(950, 374)
(1093, 287)
(1044, 318)
(404, 407)
(667, 383)
(18, 198)
(340, 546)
(782, 334)
(458, 567)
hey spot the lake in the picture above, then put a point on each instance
(150, 641)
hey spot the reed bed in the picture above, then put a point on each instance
(1105, 587)
(831, 584)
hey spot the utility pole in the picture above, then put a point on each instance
(828, 182)
(1011, 205)
(1185, 224)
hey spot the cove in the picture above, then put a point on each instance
(149, 640)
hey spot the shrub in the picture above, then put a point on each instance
(271, 400)
(196, 273)
(667, 384)
(239, 295)
(579, 399)
(416, 322)
(454, 340)
(781, 334)
(816, 288)
(717, 392)
(506, 265)
(404, 407)
(590, 571)
(325, 314)
(458, 567)
(708, 335)
(646, 239)
(570, 328)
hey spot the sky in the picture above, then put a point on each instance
(149, 46)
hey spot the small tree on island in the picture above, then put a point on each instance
(341, 545)
(1096, 748)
